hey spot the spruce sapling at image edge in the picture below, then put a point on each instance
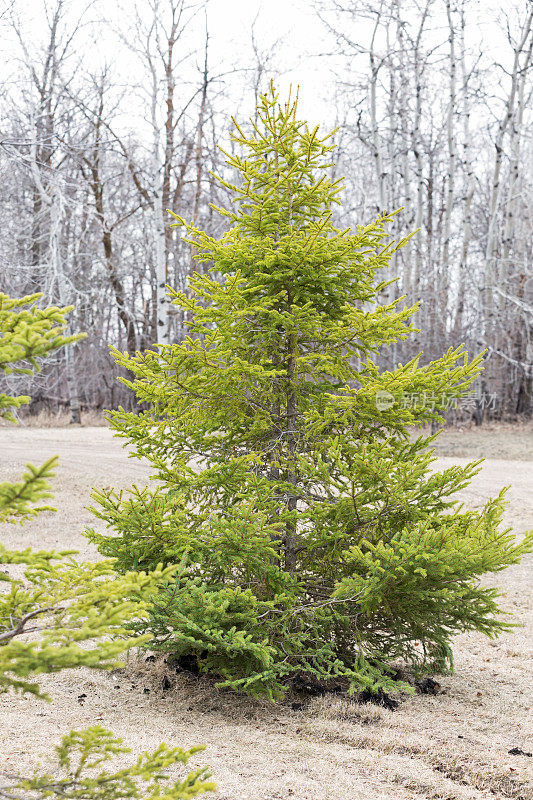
(313, 537)
(69, 604)
(48, 618)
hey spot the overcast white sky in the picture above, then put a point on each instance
(294, 22)
(304, 38)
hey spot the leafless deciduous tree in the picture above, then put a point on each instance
(439, 128)
(432, 118)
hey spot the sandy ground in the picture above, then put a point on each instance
(451, 746)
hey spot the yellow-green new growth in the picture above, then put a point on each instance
(318, 541)
(61, 614)
(27, 335)
(79, 774)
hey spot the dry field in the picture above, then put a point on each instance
(452, 746)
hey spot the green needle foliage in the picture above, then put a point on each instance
(27, 334)
(60, 614)
(69, 605)
(17, 500)
(79, 775)
(316, 539)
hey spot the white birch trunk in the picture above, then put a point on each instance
(416, 145)
(376, 140)
(64, 293)
(444, 290)
(162, 333)
(393, 188)
(405, 169)
(514, 167)
(490, 253)
(54, 200)
(469, 177)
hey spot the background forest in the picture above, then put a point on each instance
(432, 99)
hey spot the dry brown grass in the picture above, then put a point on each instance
(453, 746)
(58, 419)
(501, 440)
(61, 419)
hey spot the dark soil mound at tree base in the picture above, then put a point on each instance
(303, 684)
(308, 686)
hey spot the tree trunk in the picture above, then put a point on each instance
(56, 215)
(469, 178)
(490, 254)
(162, 332)
(450, 135)
(292, 444)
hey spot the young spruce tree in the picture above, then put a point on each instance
(315, 540)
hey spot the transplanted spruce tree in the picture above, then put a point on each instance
(313, 537)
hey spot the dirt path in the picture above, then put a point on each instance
(452, 746)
